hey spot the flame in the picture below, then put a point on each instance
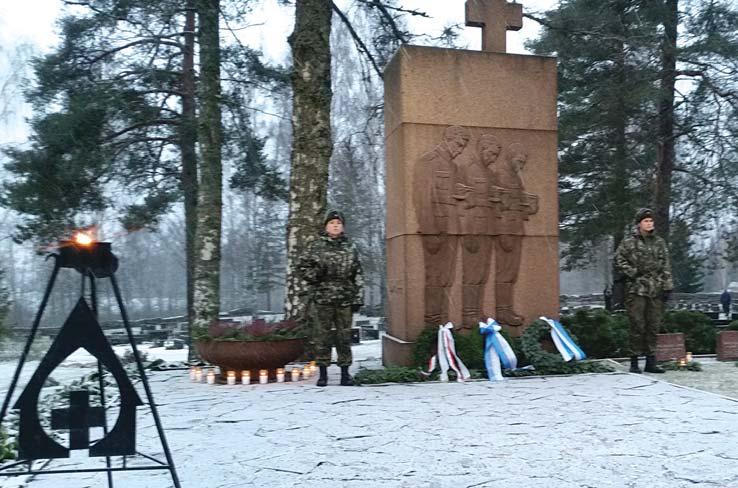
(83, 238)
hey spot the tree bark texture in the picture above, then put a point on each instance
(667, 143)
(188, 148)
(209, 209)
(311, 133)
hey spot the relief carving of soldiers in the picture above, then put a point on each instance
(480, 199)
(478, 224)
(437, 207)
(515, 206)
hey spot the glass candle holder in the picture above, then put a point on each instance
(263, 376)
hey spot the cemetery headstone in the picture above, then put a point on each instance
(670, 346)
(727, 345)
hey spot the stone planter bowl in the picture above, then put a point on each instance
(251, 355)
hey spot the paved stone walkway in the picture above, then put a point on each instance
(599, 431)
(716, 377)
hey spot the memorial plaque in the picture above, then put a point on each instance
(670, 346)
(727, 345)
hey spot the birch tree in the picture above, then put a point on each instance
(311, 137)
(206, 304)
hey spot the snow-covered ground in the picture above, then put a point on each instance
(611, 430)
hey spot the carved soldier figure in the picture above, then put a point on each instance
(478, 227)
(515, 205)
(436, 198)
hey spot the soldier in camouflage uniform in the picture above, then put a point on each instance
(331, 267)
(644, 260)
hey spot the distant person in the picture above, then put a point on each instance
(725, 299)
(643, 259)
(607, 295)
(331, 267)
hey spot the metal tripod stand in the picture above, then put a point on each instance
(93, 262)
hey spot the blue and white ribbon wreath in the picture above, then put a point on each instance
(498, 354)
(447, 357)
(563, 342)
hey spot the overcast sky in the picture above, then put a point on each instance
(33, 22)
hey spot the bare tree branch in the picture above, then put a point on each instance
(148, 123)
(148, 40)
(377, 3)
(359, 43)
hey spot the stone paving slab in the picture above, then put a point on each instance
(716, 377)
(599, 431)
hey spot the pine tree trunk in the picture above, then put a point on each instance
(311, 137)
(187, 144)
(667, 154)
(207, 240)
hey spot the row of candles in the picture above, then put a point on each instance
(198, 375)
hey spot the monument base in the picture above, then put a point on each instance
(396, 352)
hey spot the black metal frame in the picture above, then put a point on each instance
(89, 273)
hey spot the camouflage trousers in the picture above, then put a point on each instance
(644, 315)
(330, 326)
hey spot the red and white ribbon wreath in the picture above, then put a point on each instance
(447, 357)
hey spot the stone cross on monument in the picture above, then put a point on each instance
(495, 17)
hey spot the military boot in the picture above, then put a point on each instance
(651, 366)
(634, 365)
(504, 298)
(323, 378)
(346, 379)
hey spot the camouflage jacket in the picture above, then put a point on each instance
(332, 271)
(644, 260)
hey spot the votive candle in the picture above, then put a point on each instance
(280, 375)
(295, 374)
(211, 377)
(689, 357)
(245, 377)
(263, 376)
(231, 377)
(198, 374)
(193, 377)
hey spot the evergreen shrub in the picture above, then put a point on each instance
(699, 333)
(599, 333)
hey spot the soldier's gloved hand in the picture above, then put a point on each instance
(666, 295)
(355, 307)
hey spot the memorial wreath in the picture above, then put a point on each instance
(530, 343)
